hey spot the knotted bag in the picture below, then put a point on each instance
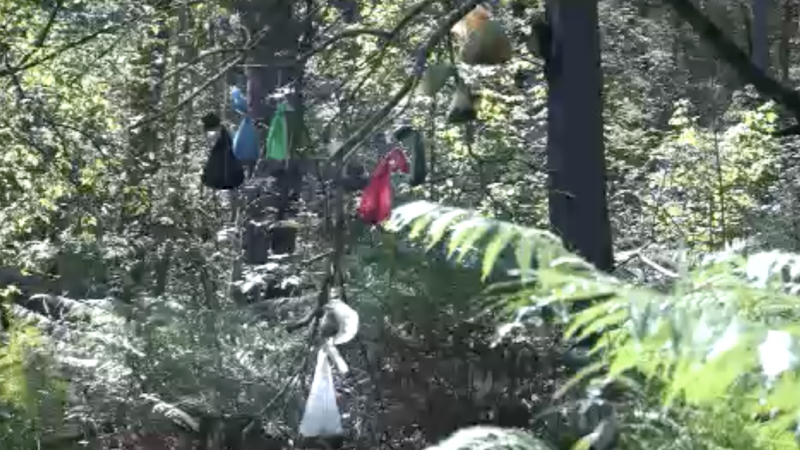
(238, 100)
(376, 199)
(245, 142)
(412, 140)
(277, 146)
(485, 40)
(321, 417)
(222, 170)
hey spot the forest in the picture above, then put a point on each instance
(397, 225)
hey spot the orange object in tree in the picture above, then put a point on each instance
(485, 41)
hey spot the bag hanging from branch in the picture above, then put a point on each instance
(412, 140)
(277, 144)
(278, 136)
(321, 417)
(222, 170)
(339, 325)
(435, 77)
(376, 199)
(245, 142)
(238, 100)
(485, 40)
(462, 107)
(344, 319)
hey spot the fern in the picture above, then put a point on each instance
(725, 334)
(490, 438)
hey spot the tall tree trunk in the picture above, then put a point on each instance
(575, 144)
(788, 31)
(265, 77)
(760, 34)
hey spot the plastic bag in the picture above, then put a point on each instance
(238, 100)
(321, 416)
(376, 200)
(245, 142)
(335, 357)
(346, 318)
(222, 170)
(278, 136)
(412, 140)
(462, 107)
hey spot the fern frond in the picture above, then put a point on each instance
(725, 334)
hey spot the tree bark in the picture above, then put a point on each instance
(575, 142)
(264, 79)
(788, 31)
(760, 35)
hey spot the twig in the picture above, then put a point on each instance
(658, 267)
(65, 48)
(230, 63)
(44, 33)
(450, 20)
(21, 67)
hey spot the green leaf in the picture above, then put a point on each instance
(503, 236)
(440, 225)
(465, 235)
(524, 256)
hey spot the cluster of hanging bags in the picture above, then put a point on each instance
(224, 168)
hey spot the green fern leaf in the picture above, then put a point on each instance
(524, 256)
(440, 225)
(504, 235)
(419, 226)
(466, 235)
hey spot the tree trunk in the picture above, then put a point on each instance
(575, 144)
(264, 79)
(760, 34)
(788, 31)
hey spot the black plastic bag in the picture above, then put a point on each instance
(222, 170)
(412, 140)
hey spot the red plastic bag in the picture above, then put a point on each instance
(376, 199)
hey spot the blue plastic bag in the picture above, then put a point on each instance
(238, 100)
(245, 143)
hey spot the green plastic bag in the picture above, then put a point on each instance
(278, 136)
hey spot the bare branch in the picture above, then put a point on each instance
(440, 33)
(737, 58)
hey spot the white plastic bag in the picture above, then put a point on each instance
(335, 357)
(321, 416)
(346, 317)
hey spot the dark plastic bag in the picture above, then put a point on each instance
(222, 170)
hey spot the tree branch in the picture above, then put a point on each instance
(422, 54)
(44, 33)
(230, 63)
(56, 53)
(739, 60)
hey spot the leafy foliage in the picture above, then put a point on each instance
(32, 394)
(725, 334)
(157, 314)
